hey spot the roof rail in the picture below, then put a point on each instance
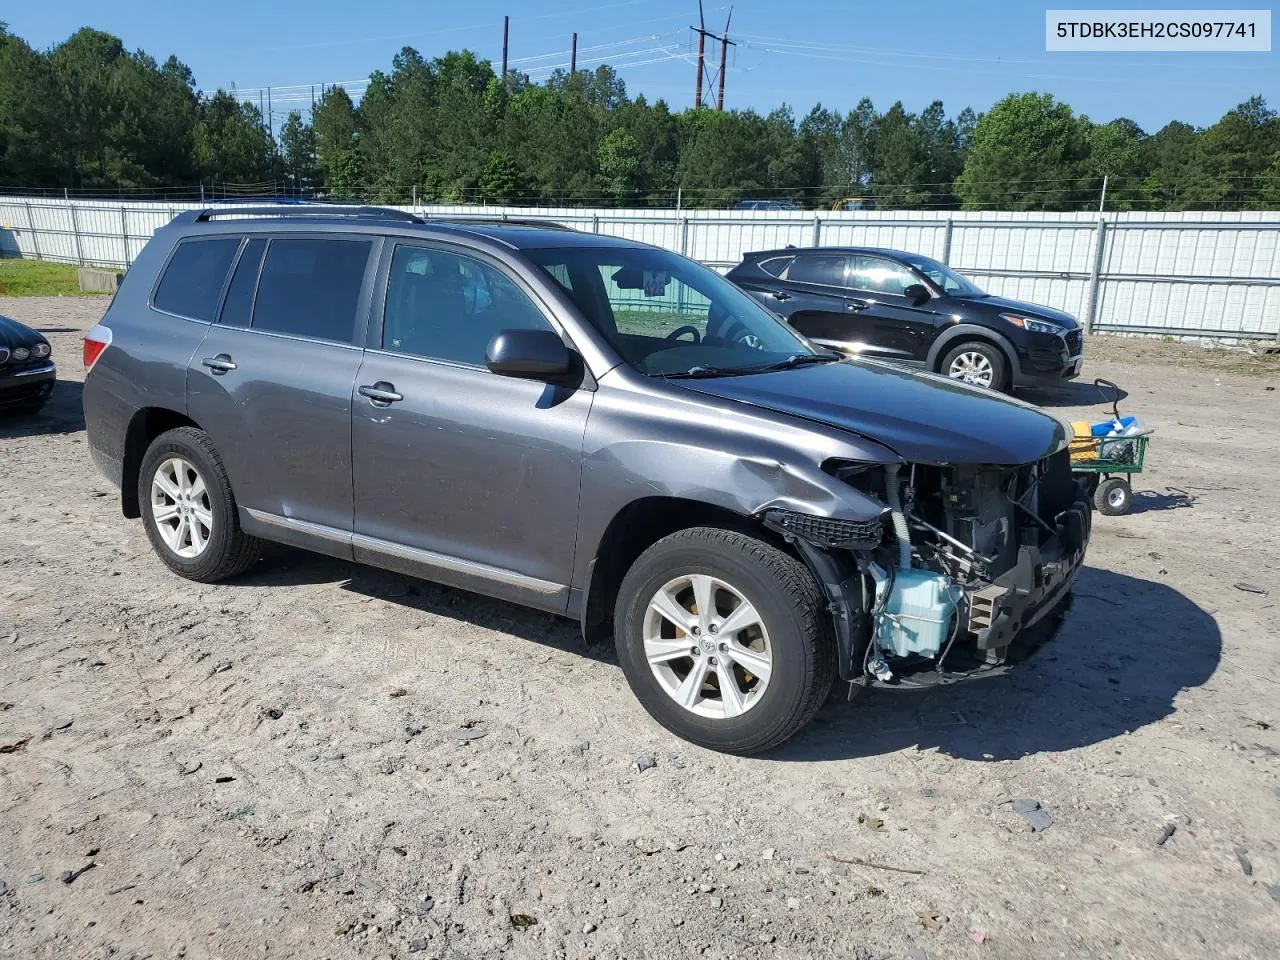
(498, 219)
(297, 210)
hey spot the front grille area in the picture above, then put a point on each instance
(850, 534)
(1075, 342)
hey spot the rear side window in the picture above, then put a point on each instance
(310, 288)
(193, 279)
(237, 307)
(824, 268)
(774, 265)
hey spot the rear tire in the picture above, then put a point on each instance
(977, 363)
(189, 511)
(1114, 497)
(781, 664)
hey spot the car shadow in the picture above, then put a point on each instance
(62, 413)
(1127, 649)
(1071, 394)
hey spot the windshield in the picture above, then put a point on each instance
(951, 282)
(668, 316)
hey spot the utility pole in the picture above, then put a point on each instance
(1102, 201)
(573, 56)
(506, 26)
(725, 44)
(271, 116)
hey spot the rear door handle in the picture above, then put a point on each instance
(380, 394)
(780, 295)
(222, 363)
(855, 305)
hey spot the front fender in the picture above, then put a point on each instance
(970, 331)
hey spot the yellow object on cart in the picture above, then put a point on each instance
(1084, 445)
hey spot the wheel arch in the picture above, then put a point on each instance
(636, 527)
(966, 332)
(146, 424)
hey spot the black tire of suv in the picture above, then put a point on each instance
(792, 608)
(999, 365)
(230, 551)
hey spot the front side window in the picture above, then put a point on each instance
(311, 288)
(446, 306)
(951, 282)
(877, 275)
(193, 280)
(668, 316)
(828, 269)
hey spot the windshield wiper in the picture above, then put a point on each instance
(797, 360)
(699, 372)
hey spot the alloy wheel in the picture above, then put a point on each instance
(972, 367)
(180, 507)
(707, 646)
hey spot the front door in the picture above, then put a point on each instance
(463, 476)
(888, 324)
(272, 382)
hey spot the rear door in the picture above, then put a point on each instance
(814, 300)
(272, 382)
(887, 323)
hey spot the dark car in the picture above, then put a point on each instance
(27, 375)
(750, 204)
(588, 426)
(912, 310)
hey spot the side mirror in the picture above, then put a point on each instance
(917, 293)
(529, 355)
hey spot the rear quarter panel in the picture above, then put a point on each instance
(146, 363)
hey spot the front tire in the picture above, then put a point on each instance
(976, 363)
(189, 511)
(724, 639)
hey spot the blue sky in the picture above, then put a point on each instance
(798, 51)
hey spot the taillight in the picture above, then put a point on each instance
(95, 341)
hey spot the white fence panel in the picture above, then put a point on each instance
(1197, 274)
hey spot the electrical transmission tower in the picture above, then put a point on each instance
(714, 79)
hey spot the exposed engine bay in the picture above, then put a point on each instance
(961, 561)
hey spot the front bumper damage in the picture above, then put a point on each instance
(999, 620)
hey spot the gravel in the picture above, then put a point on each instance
(522, 822)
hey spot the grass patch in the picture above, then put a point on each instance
(38, 278)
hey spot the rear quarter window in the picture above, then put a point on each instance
(194, 276)
(775, 265)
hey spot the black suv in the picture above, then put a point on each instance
(589, 426)
(912, 310)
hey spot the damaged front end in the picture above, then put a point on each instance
(966, 569)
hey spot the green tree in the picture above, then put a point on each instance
(232, 145)
(298, 152)
(1116, 154)
(337, 129)
(618, 159)
(500, 179)
(1028, 152)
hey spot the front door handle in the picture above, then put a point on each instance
(854, 305)
(780, 295)
(380, 394)
(220, 364)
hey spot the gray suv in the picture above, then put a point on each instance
(589, 426)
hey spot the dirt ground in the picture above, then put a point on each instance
(325, 761)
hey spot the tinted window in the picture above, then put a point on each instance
(309, 288)
(448, 307)
(827, 268)
(880, 276)
(239, 303)
(775, 265)
(193, 280)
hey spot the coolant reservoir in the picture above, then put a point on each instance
(917, 615)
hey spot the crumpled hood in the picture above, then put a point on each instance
(15, 334)
(1005, 305)
(921, 417)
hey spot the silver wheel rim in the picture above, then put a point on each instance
(707, 646)
(180, 507)
(972, 367)
(1115, 497)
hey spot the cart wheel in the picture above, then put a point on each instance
(1114, 497)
